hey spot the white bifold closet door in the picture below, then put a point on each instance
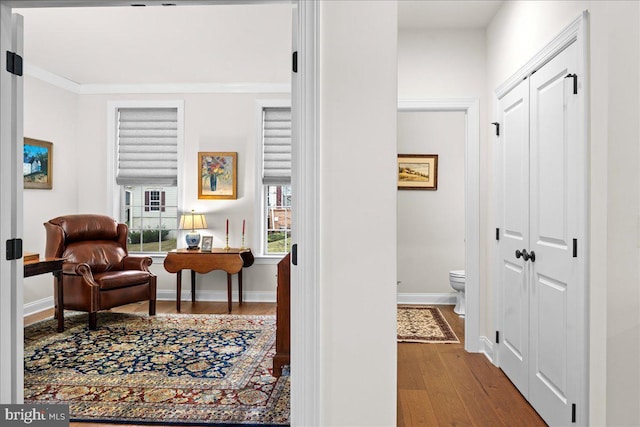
(538, 210)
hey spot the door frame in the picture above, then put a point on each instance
(11, 271)
(575, 32)
(471, 108)
(305, 350)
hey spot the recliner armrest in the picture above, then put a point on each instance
(137, 263)
(79, 269)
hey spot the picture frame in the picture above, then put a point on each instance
(217, 175)
(417, 171)
(207, 244)
(37, 164)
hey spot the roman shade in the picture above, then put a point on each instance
(276, 146)
(147, 146)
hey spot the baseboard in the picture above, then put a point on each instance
(165, 295)
(427, 298)
(486, 348)
(37, 306)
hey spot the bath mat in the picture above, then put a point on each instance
(423, 324)
(169, 369)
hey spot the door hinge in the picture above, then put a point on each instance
(497, 337)
(14, 63)
(573, 413)
(497, 234)
(14, 249)
(497, 125)
(294, 254)
(575, 82)
(294, 61)
(575, 248)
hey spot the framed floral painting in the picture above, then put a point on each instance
(218, 174)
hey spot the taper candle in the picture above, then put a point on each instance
(227, 226)
(243, 227)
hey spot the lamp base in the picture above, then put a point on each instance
(193, 240)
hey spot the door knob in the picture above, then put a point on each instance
(529, 256)
(526, 255)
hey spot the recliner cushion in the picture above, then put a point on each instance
(119, 279)
(99, 255)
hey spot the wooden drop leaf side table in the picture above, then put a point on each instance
(232, 261)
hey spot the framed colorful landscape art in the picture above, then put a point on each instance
(37, 164)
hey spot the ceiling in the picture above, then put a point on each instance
(196, 44)
(452, 14)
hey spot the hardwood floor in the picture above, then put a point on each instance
(442, 385)
(438, 384)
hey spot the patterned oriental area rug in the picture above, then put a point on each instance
(165, 369)
(423, 324)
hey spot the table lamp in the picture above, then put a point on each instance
(192, 222)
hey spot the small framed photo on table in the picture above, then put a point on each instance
(207, 243)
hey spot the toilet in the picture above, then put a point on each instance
(456, 279)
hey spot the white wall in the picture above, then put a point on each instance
(357, 224)
(440, 63)
(451, 63)
(77, 124)
(431, 226)
(213, 122)
(49, 115)
(517, 32)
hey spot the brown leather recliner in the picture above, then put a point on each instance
(98, 272)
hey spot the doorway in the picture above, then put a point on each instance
(470, 108)
(304, 304)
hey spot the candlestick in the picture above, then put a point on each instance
(226, 248)
(243, 228)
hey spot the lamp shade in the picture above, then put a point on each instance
(192, 222)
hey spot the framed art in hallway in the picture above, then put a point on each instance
(417, 171)
(217, 175)
(37, 164)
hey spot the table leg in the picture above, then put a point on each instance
(229, 292)
(178, 289)
(193, 286)
(60, 297)
(240, 286)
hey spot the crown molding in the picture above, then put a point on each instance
(159, 88)
(51, 78)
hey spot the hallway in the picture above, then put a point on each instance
(442, 385)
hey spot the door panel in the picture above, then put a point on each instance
(554, 219)
(513, 194)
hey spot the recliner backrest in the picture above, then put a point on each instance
(96, 240)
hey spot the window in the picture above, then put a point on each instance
(276, 180)
(146, 174)
(154, 200)
(151, 214)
